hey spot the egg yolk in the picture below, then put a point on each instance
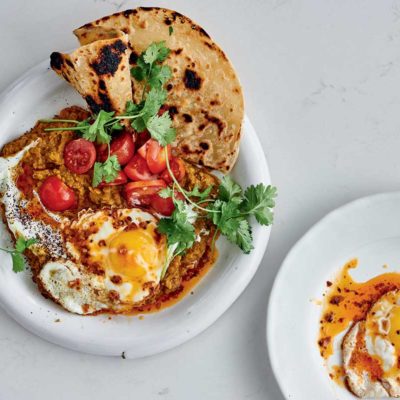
(137, 256)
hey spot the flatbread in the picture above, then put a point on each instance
(99, 71)
(204, 95)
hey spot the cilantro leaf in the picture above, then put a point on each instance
(160, 128)
(18, 262)
(242, 236)
(97, 131)
(138, 124)
(156, 52)
(170, 30)
(166, 192)
(259, 201)
(229, 190)
(159, 75)
(154, 100)
(107, 171)
(16, 254)
(196, 192)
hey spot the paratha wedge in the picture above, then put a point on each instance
(99, 71)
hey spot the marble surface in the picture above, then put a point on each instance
(321, 80)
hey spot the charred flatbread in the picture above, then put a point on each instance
(99, 71)
(204, 95)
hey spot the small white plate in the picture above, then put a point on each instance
(39, 94)
(367, 229)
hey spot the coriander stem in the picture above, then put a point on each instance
(7, 250)
(59, 120)
(180, 187)
(65, 128)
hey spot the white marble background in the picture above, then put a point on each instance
(322, 84)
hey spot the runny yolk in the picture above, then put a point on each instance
(137, 256)
(348, 301)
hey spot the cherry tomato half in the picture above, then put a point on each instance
(143, 149)
(178, 169)
(137, 169)
(122, 146)
(164, 206)
(141, 138)
(119, 180)
(79, 155)
(56, 195)
(155, 156)
(139, 193)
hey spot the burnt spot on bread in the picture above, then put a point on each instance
(56, 60)
(177, 51)
(148, 8)
(169, 87)
(187, 117)
(204, 145)
(191, 80)
(104, 104)
(69, 63)
(173, 110)
(201, 127)
(133, 58)
(214, 120)
(203, 32)
(109, 58)
(102, 84)
(167, 21)
(127, 13)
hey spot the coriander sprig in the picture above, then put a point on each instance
(21, 245)
(141, 116)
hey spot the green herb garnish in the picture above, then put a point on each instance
(21, 245)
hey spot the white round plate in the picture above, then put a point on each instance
(40, 94)
(367, 229)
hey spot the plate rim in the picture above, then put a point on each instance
(42, 68)
(285, 267)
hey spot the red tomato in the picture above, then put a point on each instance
(143, 149)
(79, 155)
(178, 169)
(164, 206)
(141, 138)
(139, 193)
(56, 195)
(119, 180)
(25, 180)
(123, 147)
(155, 156)
(137, 169)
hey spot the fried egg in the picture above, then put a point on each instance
(116, 255)
(102, 260)
(371, 350)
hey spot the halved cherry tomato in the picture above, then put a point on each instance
(143, 149)
(155, 156)
(178, 169)
(137, 169)
(25, 180)
(139, 193)
(119, 180)
(56, 195)
(141, 138)
(122, 146)
(164, 206)
(79, 155)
